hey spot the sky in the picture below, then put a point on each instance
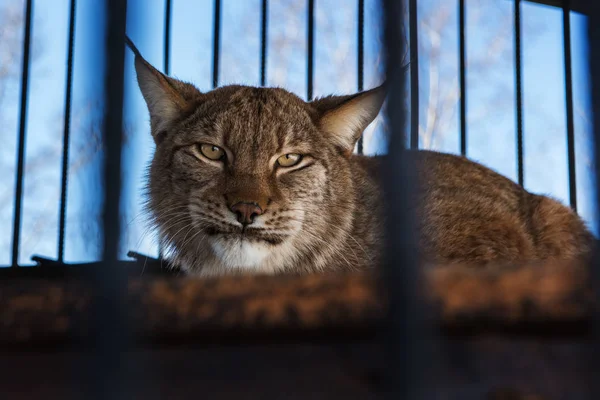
(490, 98)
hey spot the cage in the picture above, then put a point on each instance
(100, 315)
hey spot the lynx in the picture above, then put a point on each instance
(256, 180)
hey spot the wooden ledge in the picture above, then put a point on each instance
(550, 293)
(553, 297)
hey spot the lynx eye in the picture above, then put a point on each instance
(289, 160)
(212, 152)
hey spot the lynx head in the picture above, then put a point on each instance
(247, 179)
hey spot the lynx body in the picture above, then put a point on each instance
(256, 180)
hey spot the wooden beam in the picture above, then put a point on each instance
(551, 299)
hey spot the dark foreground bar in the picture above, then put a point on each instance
(107, 336)
(593, 25)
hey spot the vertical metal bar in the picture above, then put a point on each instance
(400, 271)
(66, 135)
(463, 79)
(108, 379)
(518, 89)
(593, 27)
(113, 136)
(263, 43)
(166, 70)
(167, 48)
(22, 130)
(569, 102)
(216, 43)
(414, 74)
(360, 57)
(310, 49)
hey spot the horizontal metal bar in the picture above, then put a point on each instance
(576, 5)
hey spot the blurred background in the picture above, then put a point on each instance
(491, 115)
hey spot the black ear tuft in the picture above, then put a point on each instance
(132, 46)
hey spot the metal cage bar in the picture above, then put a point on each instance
(414, 74)
(216, 43)
(167, 43)
(518, 91)
(263, 42)
(108, 280)
(360, 58)
(310, 49)
(566, 11)
(566, 6)
(16, 241)
(166, 67)
(593, 27)
(113, 139)
(66, 134)
(400, 267)
(463, 79)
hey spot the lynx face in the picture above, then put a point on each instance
(251, 179)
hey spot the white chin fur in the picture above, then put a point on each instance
(236, 253)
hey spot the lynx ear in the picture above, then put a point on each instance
(345, 118)
(167, 99)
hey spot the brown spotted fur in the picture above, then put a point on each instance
(326, 215)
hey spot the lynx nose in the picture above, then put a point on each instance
(246, 212)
